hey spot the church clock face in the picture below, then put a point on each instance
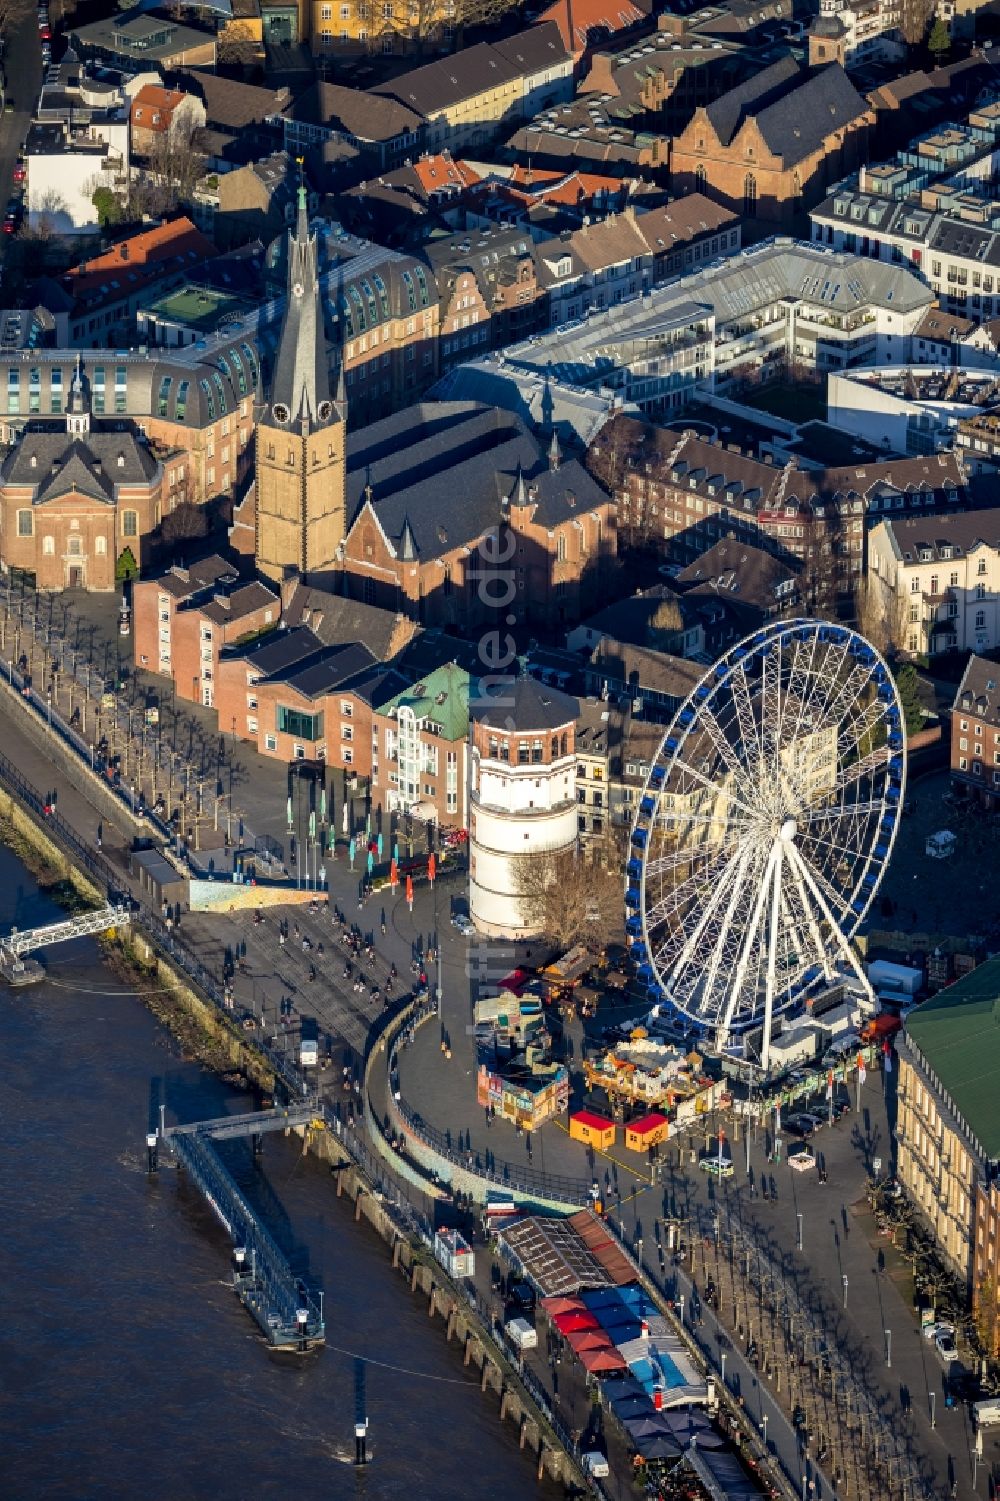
(281, 412)
(324, 410)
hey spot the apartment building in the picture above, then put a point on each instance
(975, 734)
(466, 100)
(420, 744)
(780, 304)
(857, 34)
(678, 495)
(78, 141)
(958, 259)
(947, 1130)
(185, 620)
(945, 574)
(95, 302)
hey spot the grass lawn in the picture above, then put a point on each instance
(794, 403)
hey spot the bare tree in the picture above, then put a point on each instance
(915, 20)
(172, 171)
(11, 12)
(575, 897)
(186, 522)
(43, 221)
(237, 45)
(882, 614)
(664, 624)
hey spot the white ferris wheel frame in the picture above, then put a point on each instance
(764, 892)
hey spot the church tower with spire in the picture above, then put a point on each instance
(302, 434)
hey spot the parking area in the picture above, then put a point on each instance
(935, 897)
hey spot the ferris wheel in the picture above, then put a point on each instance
(764, 826)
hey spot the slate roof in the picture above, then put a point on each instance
(232, 605)
(979, 681)
(728, 112)
(228, 102)
(365, 116)
(334, 618)
(277, 652)
(655, 671)
(181, 583)
(797, 124)
(739, 572)
(477, 70)
(958, 1033)
(329, 668)
(481, 450)
(90, 465)
(523, 705)
(961, 532)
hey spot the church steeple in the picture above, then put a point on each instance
(78, 406)
(300, 389)
(301, 476)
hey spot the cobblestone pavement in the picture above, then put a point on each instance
(940, 897)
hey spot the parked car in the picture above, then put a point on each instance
(464, 924)
(799, 1125)
(931, 1331)
(19, 172)
(944, 1343)
(717, 1167)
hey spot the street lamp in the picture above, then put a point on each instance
(933, 1397)
(48, 702)
(845, 1289)
(888, 1348)
(763, 1424)
(798, 1220)
(723, 1358)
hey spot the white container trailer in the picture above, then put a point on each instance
(897, 979)
(522, 1334)
(455, 1254)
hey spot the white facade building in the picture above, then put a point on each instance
(79, 141)
(946, 572)
(522, 796)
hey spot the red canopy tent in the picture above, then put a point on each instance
(597, 1362)
(575, 1321)
(589, 1339)
(556, 1305)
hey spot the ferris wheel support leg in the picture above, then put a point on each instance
(817, 938)
(722, 1035)
(772, 955)
(842, 943)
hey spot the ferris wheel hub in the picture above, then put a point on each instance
(788, 831)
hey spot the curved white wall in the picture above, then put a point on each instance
(514, 811)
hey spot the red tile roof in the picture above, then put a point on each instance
(153, 107)
(534, 186)
(138, 261)
(440, 171)
(589, 15)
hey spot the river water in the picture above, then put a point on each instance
(127, 1368)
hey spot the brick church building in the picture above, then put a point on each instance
(774, 144)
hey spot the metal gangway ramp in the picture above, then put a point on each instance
(288, 1313)
(20, 942)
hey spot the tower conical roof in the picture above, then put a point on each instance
(300, 388)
